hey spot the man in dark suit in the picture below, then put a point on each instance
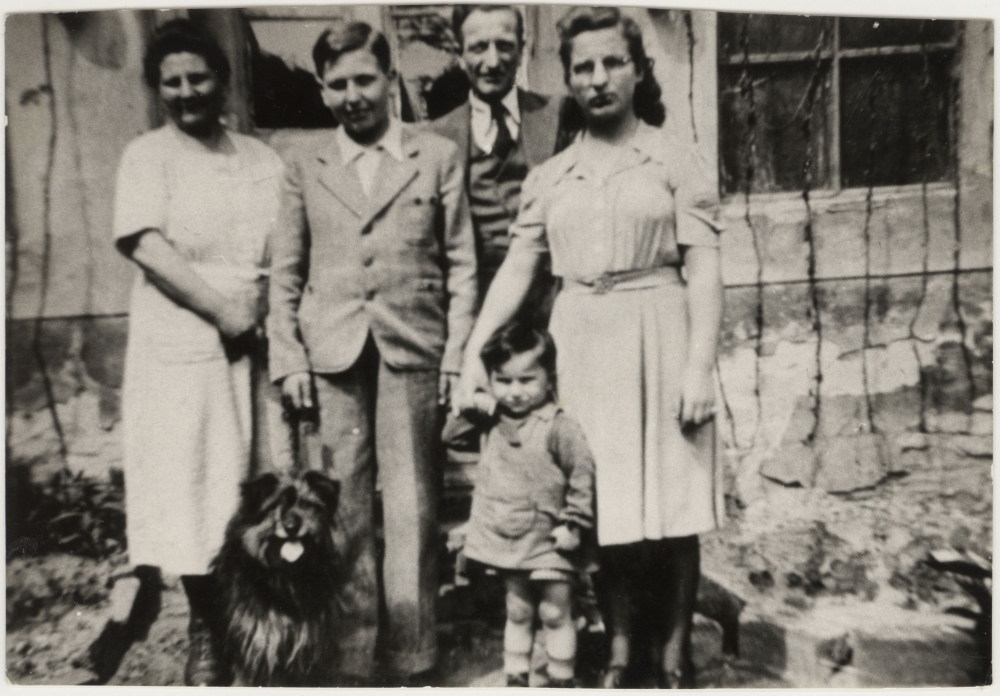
(501, 131)
(373, 291)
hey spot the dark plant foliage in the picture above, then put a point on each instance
(71, 513)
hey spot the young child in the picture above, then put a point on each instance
(534, 494)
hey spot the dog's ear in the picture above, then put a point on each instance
(257, 490)
(325, 488)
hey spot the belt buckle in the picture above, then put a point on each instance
(604, 284)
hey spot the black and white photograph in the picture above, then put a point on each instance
(499, 346)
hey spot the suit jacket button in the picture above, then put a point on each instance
(369, 260)
(370, 295)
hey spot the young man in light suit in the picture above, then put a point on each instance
(501, 131)
(373, 291)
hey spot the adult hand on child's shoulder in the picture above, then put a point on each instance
(447, 386)
(469, 394)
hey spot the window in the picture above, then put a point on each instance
(852, 101)
(285, 93)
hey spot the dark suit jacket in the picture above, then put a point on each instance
(538, 130)
(401, 264)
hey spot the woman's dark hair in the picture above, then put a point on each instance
(338, 40)
(514, 338)
(182, 36)
(646, 101)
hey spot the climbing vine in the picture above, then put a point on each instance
(808, 231)
(36, 339)
(749, 158)
(957, 248)
(689, 26)
(926, 149)
(873, 88)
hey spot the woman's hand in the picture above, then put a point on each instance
(236, 319)
(296, 390)
(697, 404)
(470, 393)
(704, 293)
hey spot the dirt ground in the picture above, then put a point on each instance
(790, 547)
(58, 605)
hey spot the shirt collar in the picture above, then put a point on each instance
(545, 412)
(647, 142)
(391, 141)
(510, 102)
(511, 428)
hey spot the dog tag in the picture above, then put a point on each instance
(292, 550)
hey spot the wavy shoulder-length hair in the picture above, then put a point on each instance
(646, 102)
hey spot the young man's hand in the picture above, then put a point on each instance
(296, 390)
(567, 538)
(447, 385)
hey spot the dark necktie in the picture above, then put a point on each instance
(504, 142)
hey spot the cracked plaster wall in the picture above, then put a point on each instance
(918, 373)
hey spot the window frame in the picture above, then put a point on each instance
(832, 55)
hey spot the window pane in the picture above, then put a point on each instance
(767, 33)
(868, 32)
(779, 96)
(909, 118)
(285, 91)
(427, 59)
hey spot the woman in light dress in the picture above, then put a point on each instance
(194, 205)
(627, 216)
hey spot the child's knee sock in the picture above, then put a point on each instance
(560, 644)
(517, 641)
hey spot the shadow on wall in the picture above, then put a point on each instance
(98, 36)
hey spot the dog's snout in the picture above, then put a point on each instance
(292, 522)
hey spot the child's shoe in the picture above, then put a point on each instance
(562, 683)
(556, 683)
(518, 680)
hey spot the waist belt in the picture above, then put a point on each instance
(624, 280)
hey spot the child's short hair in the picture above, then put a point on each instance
(341, 39)
(518, 336)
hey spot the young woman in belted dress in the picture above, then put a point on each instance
(627, 216)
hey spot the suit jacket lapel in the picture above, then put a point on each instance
(538, 132)
(463, 130)
(342, 181)
(393, 177)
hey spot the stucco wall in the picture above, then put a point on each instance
(74, 100)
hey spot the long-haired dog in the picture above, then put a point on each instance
(277, 572)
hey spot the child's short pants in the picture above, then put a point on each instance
(553, 575)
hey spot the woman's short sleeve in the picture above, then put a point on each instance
(140, 191)
(696, 196)
(528, 231)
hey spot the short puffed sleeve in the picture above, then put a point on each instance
(141, 190)
(528, 231)
(696, 195)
